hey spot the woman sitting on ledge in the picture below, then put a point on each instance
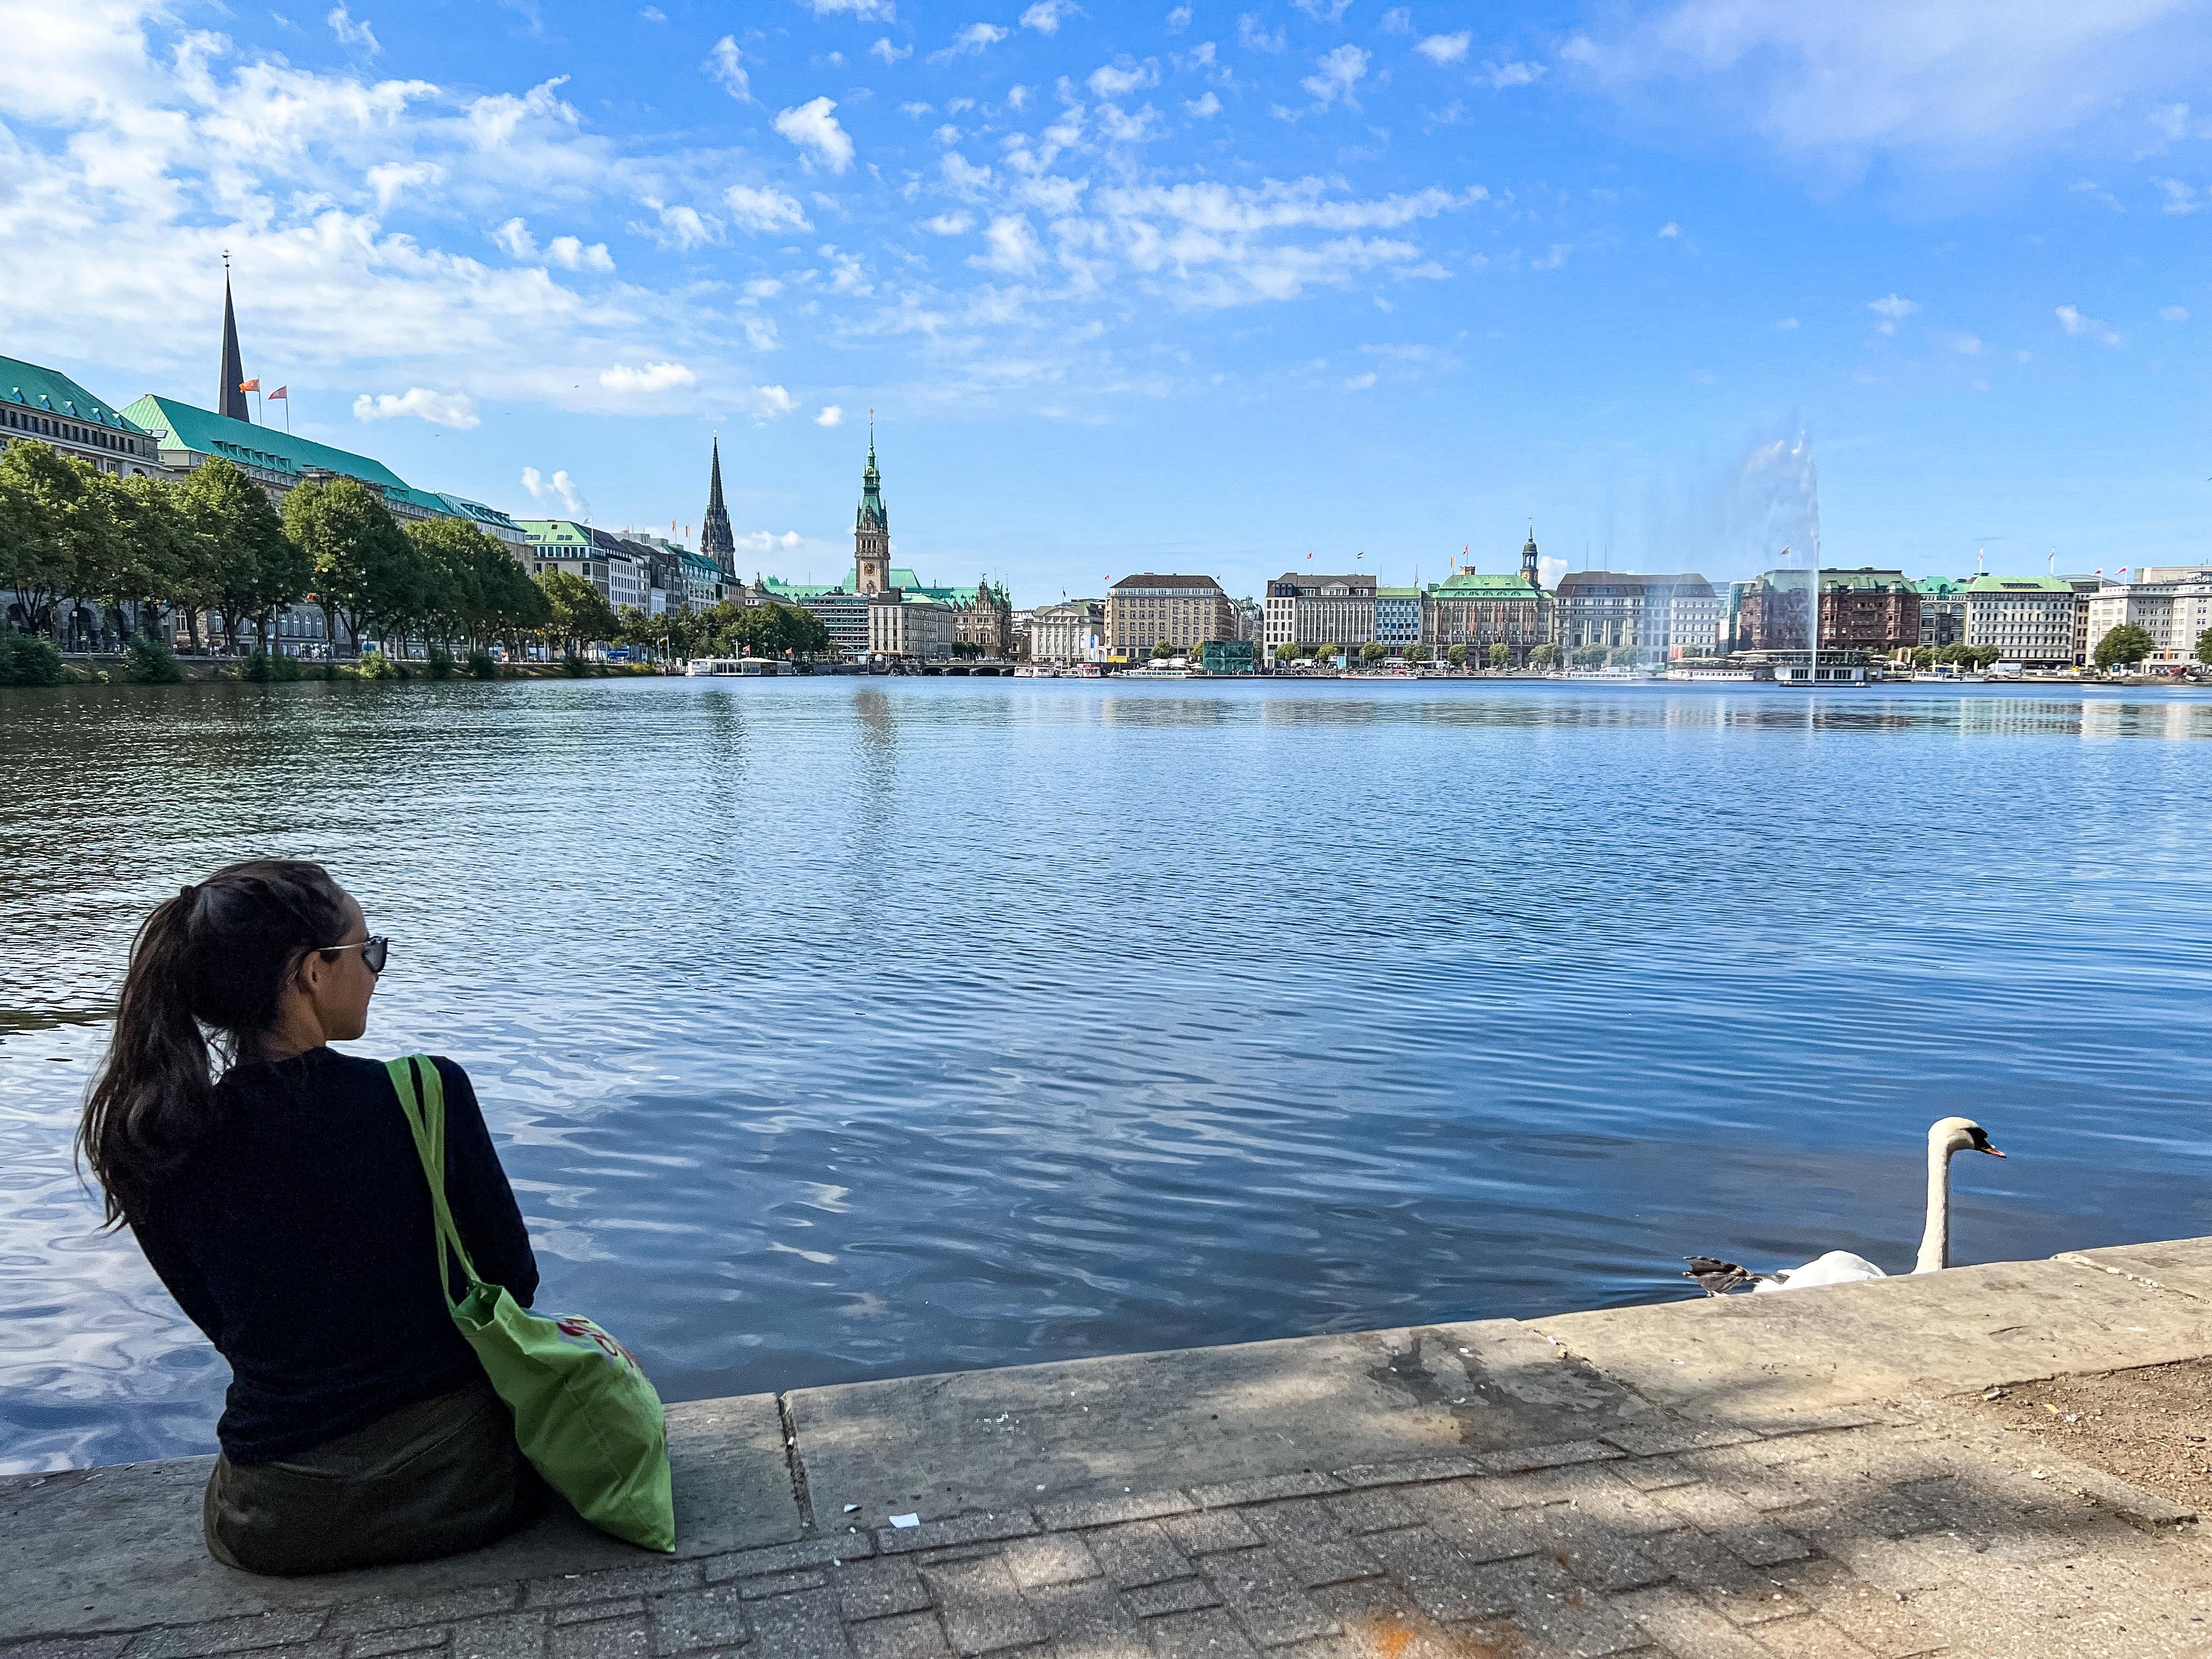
(284, 1206)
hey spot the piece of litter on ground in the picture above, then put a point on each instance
(1040, 1486)
(906, 1520)
(2039, 1475)
(1993, 1394)
(849, 1508)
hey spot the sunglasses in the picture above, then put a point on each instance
(373, 951)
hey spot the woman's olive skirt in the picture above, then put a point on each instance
(432, 1480)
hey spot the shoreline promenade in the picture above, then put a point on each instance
(1806, 1476)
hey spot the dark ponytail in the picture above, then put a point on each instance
(214, 960)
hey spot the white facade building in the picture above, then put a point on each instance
(1072, 632)
(904, 625)
(2029, 619)
(2174, 613)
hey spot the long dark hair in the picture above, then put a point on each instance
(212, 961)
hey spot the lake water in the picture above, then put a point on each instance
(836, 1028)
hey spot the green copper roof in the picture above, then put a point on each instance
(1939, 586)
(1986, 584)
(52, 393)
(1468, 585)
(872, 511)
(557, 533)
(462, 507)
(180, 426)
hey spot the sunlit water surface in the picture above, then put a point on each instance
(836, 1028)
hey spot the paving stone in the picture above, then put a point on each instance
(710, 1617)
(1543, 1601)
(1655, 1437)
(1733, 1523)
(982, 1607)
(784, 1558)
(1811, 1638)
(1138, 1553)
(1743, 1595)
(781, 1583)
(1266, 1595)
(955, 1529)
(1400, 1475)
(801, 1626)
(66, 1647)
(877, 1590)
(422, 1638)
(1380, 1510)
(1651, 1474)
(1208, 1634)
(624, 1608)
(572, 1587)
(902, 1636)
(1311, 1543)
(1597, 1553)
(1106, 1512)
(1056, 1557)
(1688, 1626)
(1305, 1484)
(1086, 1620)
(1882, 1619)
(1545, 1457)
(608, 1639)
(266, 1630)
(1457, 1511)
(1208, 1531)
(388, 1612)
(503, 1636)
(1177, 1595)
(1437, 1574)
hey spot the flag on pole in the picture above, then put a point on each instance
(253, 385)
(281, 392)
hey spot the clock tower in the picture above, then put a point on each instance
(872, 529)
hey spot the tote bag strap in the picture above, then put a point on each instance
(422, 1094)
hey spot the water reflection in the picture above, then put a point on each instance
(835, 1028)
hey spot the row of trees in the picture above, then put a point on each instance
(2128, 645)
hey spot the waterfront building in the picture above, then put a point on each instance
(2174, 612)
(1666, 616)
(901, 624)
(2087, 588)
(1184, 611)
(1248, 620)
(1478, 612)
(490, 521)
(1863, 609)
(691, 582)
(843, 615)
(1319, 610)
(185, 437)
(872, 529)
(1228, 656)
(716, 543)
(1942, 610)
(1071, 631)
(1397, 618)
(2029, 619)
(598, 557)
(45, 406)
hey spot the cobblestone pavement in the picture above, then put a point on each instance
(1892, 1533)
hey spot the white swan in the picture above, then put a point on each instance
(1945, 1137)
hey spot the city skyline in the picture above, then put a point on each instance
(1204, 289)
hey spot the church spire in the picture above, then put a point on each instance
(229, 400)
(1529, 558)
(715, 540)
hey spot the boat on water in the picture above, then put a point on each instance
(1035, 671)
(1084, 671)
(737, 667)
(1156, 673)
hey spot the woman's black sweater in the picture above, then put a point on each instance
(298, 1236)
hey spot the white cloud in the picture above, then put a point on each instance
(452, 409)
(1893, 310)
(677, 225)
(1119, 80)
(572, 253)
(1178, 19)
(2088, 328)
(947, 134)
(1338, 72)
(1361, 382)
(1552, 259)
(652, 14)
(1671, 229)
(1397, 20)
(1046, 15)
(763, 288)
(350, 33)
(1442, 49)
(1967, 345)
(1018, 98)
(1786, 324)
(727, 66)
(514, 236)
(1203, 109)
(2179, 197)
(860, 11)
(392, 179)
(1250, 34)
(811, 127)
(771, 401)
(560, 488)
(1502, 75)
(1971, 81)
(830, 416)
(2174, 313)
(764, 210)
(889, 53)
(976, 38)
(1324, 11)
(653, 377)
(1011, 246)
(950, 224)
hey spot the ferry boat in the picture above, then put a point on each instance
(1156, 673)
(740, 667)
(1035, 671)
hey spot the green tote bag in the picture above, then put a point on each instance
(585, 1414)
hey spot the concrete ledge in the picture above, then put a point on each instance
(1169, 1439)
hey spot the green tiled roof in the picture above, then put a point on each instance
(1468, 585)
(462, 507)
(180, 426)
(1986, 584)
(557, 532)
(52, 393)
(1939, 586)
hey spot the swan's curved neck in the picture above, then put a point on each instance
(1936, 1238)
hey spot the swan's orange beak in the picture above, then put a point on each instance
(1991, 1151)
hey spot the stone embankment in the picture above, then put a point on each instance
(1808, 1476)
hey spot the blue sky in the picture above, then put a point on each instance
(1201, 288)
